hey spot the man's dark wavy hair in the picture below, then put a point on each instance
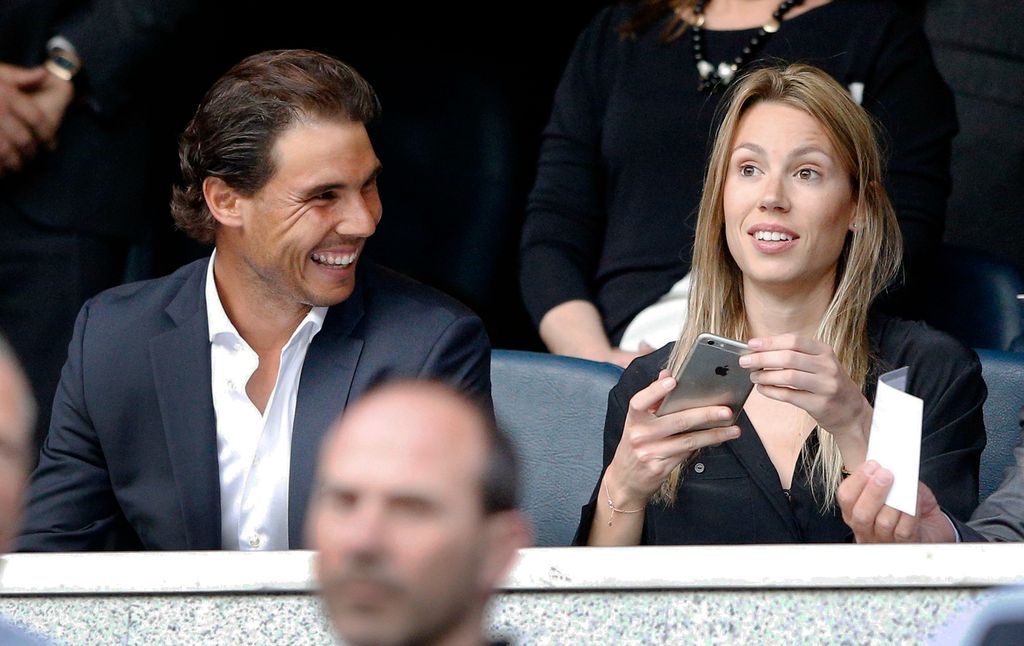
(234, 129)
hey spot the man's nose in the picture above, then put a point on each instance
(364, 530)
(358, 217)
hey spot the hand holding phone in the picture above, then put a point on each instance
(710, 375)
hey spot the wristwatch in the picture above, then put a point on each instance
(62, 60)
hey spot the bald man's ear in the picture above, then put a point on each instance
(506, 532)
(223, 201)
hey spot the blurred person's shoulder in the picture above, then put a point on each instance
(11, 635)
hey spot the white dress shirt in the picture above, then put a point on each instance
(253, 449)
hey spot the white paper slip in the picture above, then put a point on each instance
(895, 441)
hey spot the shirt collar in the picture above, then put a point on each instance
(219, 323)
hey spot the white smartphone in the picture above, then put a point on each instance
(710, 375)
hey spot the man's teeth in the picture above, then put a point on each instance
(771, 235)
(337, 260)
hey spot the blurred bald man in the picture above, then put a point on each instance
(414, 517)
(17, 418)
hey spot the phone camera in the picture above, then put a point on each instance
(711, 343)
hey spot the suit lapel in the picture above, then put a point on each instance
(324, 388)
(750, 452)
(181, 369)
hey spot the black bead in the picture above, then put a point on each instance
(761, 33)
(746, 51)
(776, 14)
(754, 41)
(738, 60)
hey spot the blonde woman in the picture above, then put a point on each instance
(794, 155)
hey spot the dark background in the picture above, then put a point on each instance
(466, 93)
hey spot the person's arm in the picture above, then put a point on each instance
(574, 329)
(953, 425)
(71, 506)
(565, 215)
(119, 42)
(915, 108)
(1000, 517)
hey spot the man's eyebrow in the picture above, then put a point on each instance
(373, 175)
(313, 191)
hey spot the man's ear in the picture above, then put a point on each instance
(505, 532)
(223, 201)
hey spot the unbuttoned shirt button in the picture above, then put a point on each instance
(254, 540)
(699, 467)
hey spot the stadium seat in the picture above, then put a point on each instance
(553, 408)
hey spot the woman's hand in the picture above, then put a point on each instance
(652, 446)
(862, 500)
(806, 373)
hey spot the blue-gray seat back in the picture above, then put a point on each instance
(553, 409)
(973, 296)
(1004, 376)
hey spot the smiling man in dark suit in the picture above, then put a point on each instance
(191, 407)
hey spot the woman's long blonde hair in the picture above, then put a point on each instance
(869, 260)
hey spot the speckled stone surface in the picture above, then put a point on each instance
(730, 617)
(172, 619)
(853, 617)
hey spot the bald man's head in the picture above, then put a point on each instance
(414, 516)
(17, 417)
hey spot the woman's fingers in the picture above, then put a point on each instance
(788, 378)
(906, 529)
(802, 344)
(646, 400)
(778, 359)
(885, 524)
(681, 445)
(862, 500)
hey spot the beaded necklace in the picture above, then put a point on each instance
(712, 77)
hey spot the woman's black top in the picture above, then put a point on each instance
(611, 217)
(731, 493)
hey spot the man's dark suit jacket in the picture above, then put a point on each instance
(131, 457)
